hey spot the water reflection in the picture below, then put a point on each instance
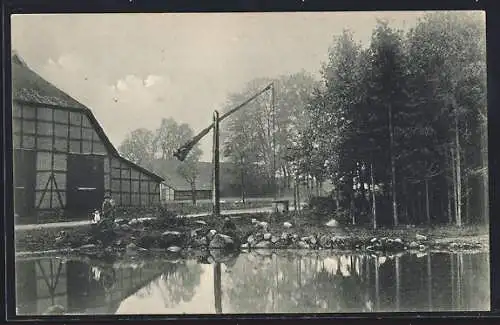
(287, 282)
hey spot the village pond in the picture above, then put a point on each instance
(256, 282)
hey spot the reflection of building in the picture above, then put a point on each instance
(62, 157)
(76, 286)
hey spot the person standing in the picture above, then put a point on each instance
(108, 209)
(107, 222)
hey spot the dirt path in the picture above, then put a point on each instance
(87, 222)
(70, 224)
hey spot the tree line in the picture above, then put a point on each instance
(154, 150)
(397, 127)
(150, 148)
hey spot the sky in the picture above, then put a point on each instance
(132, 70)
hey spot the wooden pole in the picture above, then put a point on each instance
(273, 107)
(216, 187)
(374, 198)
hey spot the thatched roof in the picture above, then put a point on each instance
(29, 87)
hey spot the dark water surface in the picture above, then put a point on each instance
(286, 282)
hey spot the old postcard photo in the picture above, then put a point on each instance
(250, 163)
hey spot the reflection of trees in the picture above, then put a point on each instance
(281, 284)
(336, 291)
(300, 285)
(249, 284)
(356, 283)
(179, 284)
(218, 288)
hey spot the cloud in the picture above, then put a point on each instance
(68, 62)
(175, 65)
(134, 83)
(152, 80)
(121, 85)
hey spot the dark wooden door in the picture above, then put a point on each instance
(84, 184)
(24, 166)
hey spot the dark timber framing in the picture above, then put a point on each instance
(53, 125)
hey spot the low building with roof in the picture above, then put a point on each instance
(177, 188)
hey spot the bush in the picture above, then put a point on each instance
(343, 216)
(322, 207)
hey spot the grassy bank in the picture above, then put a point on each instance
(250, 231)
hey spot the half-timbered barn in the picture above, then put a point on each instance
(63, 159)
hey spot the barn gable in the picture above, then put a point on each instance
(59, 145)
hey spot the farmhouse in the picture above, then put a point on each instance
(175, 187)
(63, 160)
(178, 188)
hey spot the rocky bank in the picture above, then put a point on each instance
(247, 232)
